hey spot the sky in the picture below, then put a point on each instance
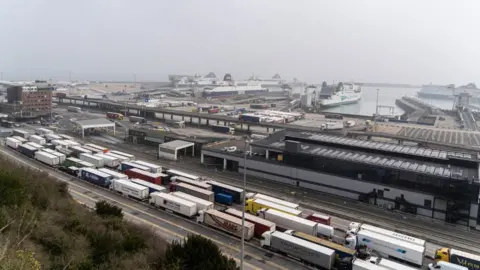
(404, 41)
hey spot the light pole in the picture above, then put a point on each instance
(242, 249)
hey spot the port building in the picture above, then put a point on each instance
(429, 182)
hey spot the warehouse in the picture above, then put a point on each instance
(170, 150)
(428, 182)
(94, 124)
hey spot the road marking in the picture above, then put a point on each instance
(148, 214)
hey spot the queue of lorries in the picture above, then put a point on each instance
(280, 225)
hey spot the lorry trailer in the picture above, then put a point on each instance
(322, 219)
(21, 133)
(471, 261)
(35, 145)
(226, 223)
(114, 174)
(27, 150)
(47, 158)
(173, 173)
(236, 193)
(43, 131)
(127, 165)
(196, 183)
(225, 199)
(285, 221)
(307, 252)
(355, 226)
(96, 177)
(95, 146)
(359, 264)
(441, 265)
(127, 155)
(21, 139)
(261, 225)
(151, 186)
(174, 204)
(61, 157)
(130, 189)
(77, 150)
(97, 161)
(108, 161)
(194, 191)
(120, 158)
(51, 137)
(341, 252)
(37, 139)
(201, 203)
(254, 205)
(389, 264)
(272, 199)
(154, 168)
(12, 142)
(155, 178)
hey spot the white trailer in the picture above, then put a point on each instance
(201, 203)
(35, 145)
(66, 137)
(195, 191)
(303, 250)
(108, 160)
(226, 223)
(97, 161)
(37, 139)
(359, 264)
(387, 246)
(21, 139)
(21, 133)
(100, 148)
(151, 186)
(353, 227)
(389, 264)
(130, 189)
(71, 143)
(289, 222)
(47, 158)
(114, 174)
(12, 142)
(80, 150)
(127, 155)
(174, 204)
(154, 168)
(272, 199)
(51, 137)
(43, 131)
(60, 143)
(196, 183)
(60, 156)
(121, 158)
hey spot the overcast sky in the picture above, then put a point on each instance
(377, 41)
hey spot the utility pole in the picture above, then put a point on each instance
(242, 250)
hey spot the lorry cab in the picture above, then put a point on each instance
(441, 265)
(442, 254)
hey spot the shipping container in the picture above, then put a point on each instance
(74, 109)
(151, 186)
(354, 226)
(35, 145)
(223, 129)
(172, 173)
(155, 178)
(114, 174)
(340, 251)
(236, 193)
(21, 139)
(196, 183)
(27, 150)
(47, 158)
(174, 204)
(12, 142)
(272, 199)
(288, 222)
(194, 191)
(261, 225)
(127, 165)
(154, 168)
(130, 189)
(254, 205)
(300, 249)
(101, 148)
(61, 157)
(201, 203)
(97, 161)
(120, 158)
(226, 223)
(37, 139)
(51, 137)
(43, 131)
(129, 156)
(96, 177)
(108, 161)
(21, 133)
(225, 199)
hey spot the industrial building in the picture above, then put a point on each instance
(434, 183)
(29, 100)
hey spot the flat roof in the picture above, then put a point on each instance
(175, 145)
(93, 123)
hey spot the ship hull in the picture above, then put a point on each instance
(234, 93)
(339, 103)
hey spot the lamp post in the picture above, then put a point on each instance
(242, 249)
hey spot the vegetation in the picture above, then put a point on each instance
(42, 227)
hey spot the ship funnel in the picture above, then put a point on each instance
(227, 77)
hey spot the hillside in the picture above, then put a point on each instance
(42, 227)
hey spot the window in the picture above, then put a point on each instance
(427, 203)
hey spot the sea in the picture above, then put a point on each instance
(386, 97)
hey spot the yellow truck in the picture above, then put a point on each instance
(254, 205)
(471, 261)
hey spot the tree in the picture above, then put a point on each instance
(105, 209)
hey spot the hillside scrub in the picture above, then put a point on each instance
(42, 227)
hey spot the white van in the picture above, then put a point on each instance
(441, 265)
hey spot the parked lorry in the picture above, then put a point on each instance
(471, 261)
(196, 183)
(47, 158)
(261, 225)
(43, 131)
(285, 221)
(71, 161)
(77, 151)
(226, 223)
(114, 174)
(35, 145)
(27, 150)
(155, 178)
(37, 139)
(223, 129)
(51, 137)
(389, 264)
(153, 168)
(127, 165)
(386, 246)
(359, 264)
(19, 138)
(225, 199)
(97, 161)
(272, 199)
(61, 157)
(21, 133)
(341, 252)
(236, 193)
(108, 161)
(353, 227)
(322, 219)
(441, 265)
(12, 142)
(254, 205)
(135, 119)
(151, 186)
(201, 203)
(307, 252)
(194, 191)
(96, 177)
(174, 204)
(130, 189)
(120, 158)
(127, 155)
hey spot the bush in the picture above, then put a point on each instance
(105, 209)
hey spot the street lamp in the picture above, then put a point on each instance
(242, 250)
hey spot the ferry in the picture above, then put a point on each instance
(275, 81)
(349, 93)
(229, 88)
(448, 91)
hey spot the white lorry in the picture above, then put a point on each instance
(96, 161)
(47, 158)
(174, 204)
(226, 223)
(12, 142)
(201, 203)
(289, 222)
(130, 189)
(37, 139)
(353, 227)
(109, 161)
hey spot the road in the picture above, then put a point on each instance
(170, 226)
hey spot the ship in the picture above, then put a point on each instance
(197, 81)
(345, 93)
(275, 81)
(448, 91)
(228, 88)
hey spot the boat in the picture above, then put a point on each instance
(448, 91)
(197, 81)
(229, 88)
(344, 94)
(275, 81)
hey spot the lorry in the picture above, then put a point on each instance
(322, 219)
(285, 221)
(51, 137)
(441, 265)
(120, 158)
(37, 139)
(21, 133)
(71, 161)
(35, 145)
(196, 183)
(151, 186)
(155, 178)
(261, 225)
(96, 177)
(194, 191)
(19, 138)
(127, 165)
(201, 203)
(353, 227)
(386, 246)
(74, 109)
(27, 150)
(471, 261)
(236, 193)
(226, 223)
(350, 123)
(254, 205)
(60, 156)
(176, 205)
(222, 198)
(97, 161)
(115, 174)
(77, 150)
(359, 264)
(307, 252)
(389, 264)
(154, 168)
(341, 252)
(108, 161)
(223, 129)
(130, 189)
(272, 199)
(47, 158)
(12, 142)
(43, 131)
